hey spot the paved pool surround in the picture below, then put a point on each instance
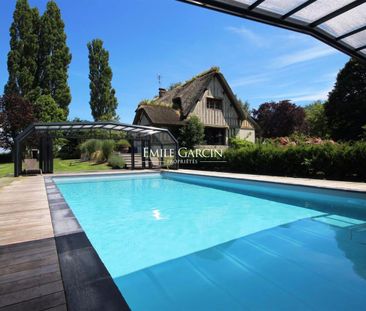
(88, 284)
(47, 261)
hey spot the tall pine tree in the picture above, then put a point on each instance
(54, 57)
(24, 45)
(103, 102)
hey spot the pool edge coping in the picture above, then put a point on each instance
(55, 200)
(281, 180)
(289, 181)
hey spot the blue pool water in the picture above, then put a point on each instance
(181, 242)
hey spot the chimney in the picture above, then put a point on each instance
(161, 92)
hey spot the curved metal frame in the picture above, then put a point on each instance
(46, 129)
(254, 12)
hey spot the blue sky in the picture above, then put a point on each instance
(176, 40)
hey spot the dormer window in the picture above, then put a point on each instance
(214, 103)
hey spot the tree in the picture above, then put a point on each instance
(316, 120)
(279, 119)
(54, 57)
(192, 133)
(16, 113)
(103, 102)
(24, 45)
(46, 110)
(346, 106)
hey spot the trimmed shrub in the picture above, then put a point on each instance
(93, 145)
(237, 143)
(329, 160)
(91, 149)
(115, 161)
(83, 148)
(122, 144)
(69, 150)
(107, 148)
(6, 157)
(98, 156)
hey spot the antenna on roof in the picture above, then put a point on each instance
(159, 80)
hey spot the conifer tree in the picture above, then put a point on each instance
(24, 45)
(103, 102)
(54, 57)
(346, 106)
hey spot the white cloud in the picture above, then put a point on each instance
(301, 96)
(320, 95)
(248, 80)
(303, 56)
(248, 35)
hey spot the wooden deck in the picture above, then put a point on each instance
(30, 277)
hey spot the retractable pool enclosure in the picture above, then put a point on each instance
(341, 24)
(146, 142)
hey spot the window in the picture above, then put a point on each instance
(215, 136)
(214, 103)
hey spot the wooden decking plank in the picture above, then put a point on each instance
(31, 293)
(21, 247)
(58, 308)
(29, 265)
(33, 281)
(38, 304)
(29, 273)
(21, 257)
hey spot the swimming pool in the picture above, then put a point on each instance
(176, 241)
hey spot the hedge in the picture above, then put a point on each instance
(329, 161)
(6, 157)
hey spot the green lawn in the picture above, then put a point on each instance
(77, 166)
(6, 169)
(61, 166)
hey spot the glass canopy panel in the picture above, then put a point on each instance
(363, 52)
(118, 127)
(109, 126)
(356, 40)
(346, 22)
(144, 132)
(247, 2)
(319, 9)
(280, 6)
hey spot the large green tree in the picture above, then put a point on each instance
(346, 106)
(192, 133)
(46, 110)
(23, 54)
(54, 57)
(316, 120)
(103, 102)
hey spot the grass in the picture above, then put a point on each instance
(6, 169)
(61, 166)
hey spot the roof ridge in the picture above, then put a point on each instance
(213, 69)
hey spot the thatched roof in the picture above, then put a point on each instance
(160, 115)
(183, 98)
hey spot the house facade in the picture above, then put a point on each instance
(208, 96)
